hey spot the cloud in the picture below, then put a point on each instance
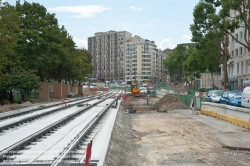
(80, 43)
(166, 43)
(186, 37)
(128, 27)
(135, 8)
(143, 26)
(151, 22)
(80, 11)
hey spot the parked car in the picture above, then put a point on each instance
(143, 90)
(232, 98)
(214, 96)
(245, 101)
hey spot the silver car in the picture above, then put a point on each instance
(214, 96)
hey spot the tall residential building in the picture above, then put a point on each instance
(238, 65)
(108, 54)
(143, 61)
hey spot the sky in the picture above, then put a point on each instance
(166, 22)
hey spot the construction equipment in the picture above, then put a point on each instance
(135, 89)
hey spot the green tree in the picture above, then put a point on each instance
(9, 31)
(20, 80)
(194, 65)
(39, 44)
(235, 14)
(208, 30)
(27, 81)
(174, 63)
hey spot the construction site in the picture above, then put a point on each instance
(127, 129)
(164, 131)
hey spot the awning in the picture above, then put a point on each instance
(222, 79)
(233, 79)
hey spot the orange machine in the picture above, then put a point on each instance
(135, 89)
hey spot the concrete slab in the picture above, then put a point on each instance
(229, 134)
(102, 141)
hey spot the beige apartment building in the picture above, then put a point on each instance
(143, 61)
(238, 65)
(108, 54)
(119, 57)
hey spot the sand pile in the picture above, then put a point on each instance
(169, 102)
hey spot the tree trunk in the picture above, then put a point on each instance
(40, 75)
(11, 97)
(212, 75)
(22, 93)
(225, 72)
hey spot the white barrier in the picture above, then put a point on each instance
(239, 112)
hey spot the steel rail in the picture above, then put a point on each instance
(37, 109)
(28, 119)
(83, 134)
(4, 154)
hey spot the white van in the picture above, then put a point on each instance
(245, 100)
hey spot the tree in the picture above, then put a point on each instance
(20, 80)
(174, 63)
(194, 65)
(27, 81)
(39, 44)
(208, 29)
(9, 29)
(235, 14)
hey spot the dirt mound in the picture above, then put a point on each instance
(27, 103)
(133, 102)
(169, 102)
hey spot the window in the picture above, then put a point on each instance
(241, 67)
(238, 68)
(236, 36)
(232, 53)
(241, 50)
(241, 34)
(247, 62)
(236, 52)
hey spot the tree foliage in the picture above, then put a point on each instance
(9, 33)
(174, 63)
(208, 30)
(31, 38)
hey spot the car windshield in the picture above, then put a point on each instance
(235, 94)
(217, 93)
(143, 88)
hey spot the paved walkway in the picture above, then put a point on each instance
(229, 134)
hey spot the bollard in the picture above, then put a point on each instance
(147, 102)
(116, 102)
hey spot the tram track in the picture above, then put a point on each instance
(13, 149)
(37, 115)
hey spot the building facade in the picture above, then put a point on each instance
(143, 61)
(238, 64)
(108, 55)
(162, 55)
(119, 57)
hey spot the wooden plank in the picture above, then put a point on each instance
(243, 148)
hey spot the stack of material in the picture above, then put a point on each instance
(169, 102)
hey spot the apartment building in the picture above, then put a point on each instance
(162, 55)
(108, 55)
(238, 66)
(143, 61)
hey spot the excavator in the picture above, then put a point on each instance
(134, 88)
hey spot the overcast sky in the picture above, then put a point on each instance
(166, 22)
